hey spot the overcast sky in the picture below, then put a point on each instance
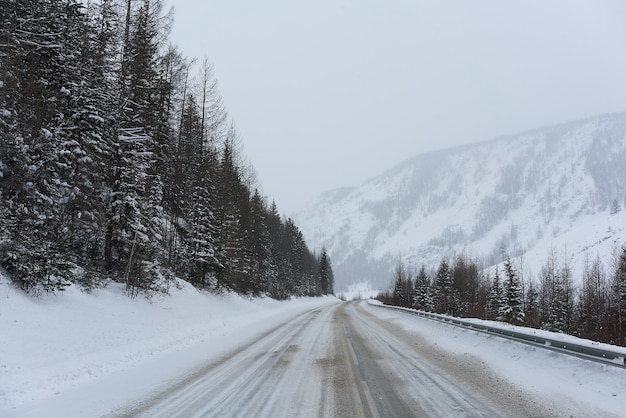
(329, 93)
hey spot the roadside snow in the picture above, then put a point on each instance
(568, 385)
(78, 354)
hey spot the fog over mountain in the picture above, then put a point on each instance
(560, 188)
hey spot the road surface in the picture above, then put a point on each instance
(339, 361)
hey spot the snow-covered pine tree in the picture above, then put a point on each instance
(292, 249)
(191, 190)
(203, 229)
(445, 298)
(43, 71)
(259, 243)
(466, 278)
(91, 131)
(301, 266)
(400, 278)
(132, 238)
(278, 275)
(325, 273)
(532, 317)
(512, 309)
(619, 296)
(91, 186)
(232, 214)
(311, 278)
(495, 298)
(592, 303)
(423, 298)
(556, 295)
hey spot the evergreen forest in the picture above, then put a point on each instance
(595, 309)
(118, 161)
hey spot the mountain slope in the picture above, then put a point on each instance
(560, 187)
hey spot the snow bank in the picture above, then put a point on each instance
(79, 354)
(569, 385)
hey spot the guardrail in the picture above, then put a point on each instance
(605, 356)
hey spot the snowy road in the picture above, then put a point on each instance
(338, 360)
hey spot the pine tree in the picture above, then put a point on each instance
(445, 298)
(404, 291)
(325, 273)
(132, 239)
(277, 276)
(399, 280)
(619, 296)
(194, 173)
(532, 317)
(495, 298)
(43, 74)
(512, 309)
(233, 215)
(111, 168)
(422, 299)
(466, 279)
(259, 242)
(293, 248)
(556, 296)
(592, 304)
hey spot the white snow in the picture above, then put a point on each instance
(78, 354)
(559, 381)
(96, 118)
(358, 291)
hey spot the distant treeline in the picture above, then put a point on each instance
(595, 310)
(117, 163)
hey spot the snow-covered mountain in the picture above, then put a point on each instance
(561, 188)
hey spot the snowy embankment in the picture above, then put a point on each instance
(584, 348)
(78, 354)
(583, 387)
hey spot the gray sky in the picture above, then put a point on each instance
(329, 93)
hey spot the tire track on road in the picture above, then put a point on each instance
(337, 361)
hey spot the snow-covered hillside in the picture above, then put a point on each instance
(561, 189)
